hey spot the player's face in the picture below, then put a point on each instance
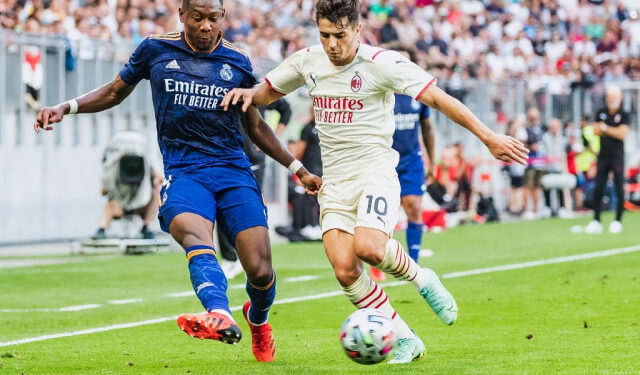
(340, 44)
(202, 22)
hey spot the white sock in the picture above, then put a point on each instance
(364, 293)
(223, 312)
(397, 263)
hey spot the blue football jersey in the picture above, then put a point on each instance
(187, 88)
(408, 112)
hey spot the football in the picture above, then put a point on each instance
(368, 336)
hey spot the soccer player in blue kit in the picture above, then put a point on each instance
(208, 176)
(412, 121)
(412, 118)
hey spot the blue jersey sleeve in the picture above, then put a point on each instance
(424, 112)
(249, 79)
(137, 68)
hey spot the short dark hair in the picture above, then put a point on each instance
(336, 11)
(187, 3)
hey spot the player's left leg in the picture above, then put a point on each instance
(188, 211)
(245, 222)
(376, 218)
(364, 292)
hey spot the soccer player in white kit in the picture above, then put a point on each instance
(352, 86)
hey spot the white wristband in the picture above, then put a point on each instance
(295, 166)
(73, 106)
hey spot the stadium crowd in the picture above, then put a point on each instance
(555, 42)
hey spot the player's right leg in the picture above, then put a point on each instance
(365, 293)
(412, 188)
(412, 205)
(187, 213)
(244, 220)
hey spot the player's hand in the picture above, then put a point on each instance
(236, 95)
(47, 117)
(507, 149)
(311, 183)
(431, 174)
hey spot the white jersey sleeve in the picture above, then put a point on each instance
(398, 74)
(287, 77)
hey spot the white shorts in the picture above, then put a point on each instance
(370, 202)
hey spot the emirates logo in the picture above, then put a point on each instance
(356, 83)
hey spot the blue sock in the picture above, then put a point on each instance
(207, 278)
(261, 300)
(414, 239)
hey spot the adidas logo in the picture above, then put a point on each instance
(173, 65)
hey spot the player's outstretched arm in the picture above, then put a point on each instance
(263, 136)
(100, 99)
(502, 147)
(260, 95)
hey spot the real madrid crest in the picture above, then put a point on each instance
(226, 72)
(356, 83)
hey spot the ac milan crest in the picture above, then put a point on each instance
(356, 83)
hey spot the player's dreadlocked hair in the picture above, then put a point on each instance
(337, 11)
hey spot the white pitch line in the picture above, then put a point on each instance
(80, 307)
(301, 278)
(542, 262)
(452, 275)
(124, 301)
(59, 309)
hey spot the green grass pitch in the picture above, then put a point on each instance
(577, 317)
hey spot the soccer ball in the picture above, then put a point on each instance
(368, 336)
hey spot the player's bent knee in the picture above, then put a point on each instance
(261, 275)
(347, 275)
(369, 250)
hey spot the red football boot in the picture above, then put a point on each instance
(377, 275)
(214, 326)
(262, 342)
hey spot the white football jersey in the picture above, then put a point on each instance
(353, 104)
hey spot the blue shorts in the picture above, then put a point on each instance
(227, 193)
(411, 175)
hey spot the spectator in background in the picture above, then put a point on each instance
(555, 143)
(535, 170)
(32, 73)
(278, 28)
(463, 171)
(305, 208)
(611, 123)
(515, 207)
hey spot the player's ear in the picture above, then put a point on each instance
(181, 14)
(358, 28)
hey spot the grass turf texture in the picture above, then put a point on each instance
(583, 316)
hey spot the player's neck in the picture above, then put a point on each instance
(209, 50)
